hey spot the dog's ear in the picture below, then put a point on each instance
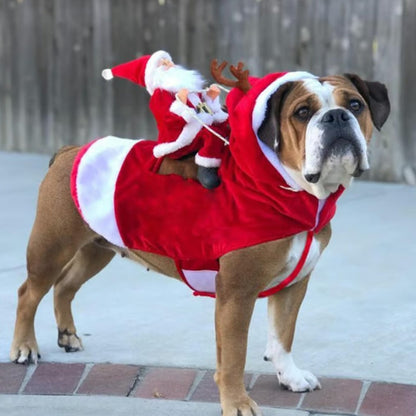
(376, 96)
(269, 130)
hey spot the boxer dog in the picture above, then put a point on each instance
(315, 131)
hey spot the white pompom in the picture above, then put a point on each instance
(107, 74)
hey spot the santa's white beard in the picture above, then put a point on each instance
(176, 78)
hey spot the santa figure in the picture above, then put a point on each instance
(180, 106)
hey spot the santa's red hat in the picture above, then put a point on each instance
(140, 70)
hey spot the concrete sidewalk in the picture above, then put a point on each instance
(157, 390)
(357, 321)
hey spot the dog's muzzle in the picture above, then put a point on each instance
(339, 144)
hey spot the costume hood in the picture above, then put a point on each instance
(247, 111)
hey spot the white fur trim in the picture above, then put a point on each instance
(96, 181)
(205, 118)
(151, 65)
(214, 105)
(186, 137)
(287, 371)
(259, 113)
(201, 280)
(220, 116)
(207, 162)
(107, 74)
(182, 110)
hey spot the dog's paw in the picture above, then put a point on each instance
(25, 353)
(246, 407)
(298, 380)
(71, 342)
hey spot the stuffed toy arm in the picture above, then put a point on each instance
(179, 121)
(219, 116)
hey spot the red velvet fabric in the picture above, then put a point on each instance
(178, 218)
(133, 70)
(181, 219)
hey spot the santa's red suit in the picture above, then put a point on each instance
(118, 192)
(179, 131)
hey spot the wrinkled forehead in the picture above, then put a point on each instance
(323, 90)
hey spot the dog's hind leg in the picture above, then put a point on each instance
(283, 308)
(57, 234)
(86, 263)
(45, 260)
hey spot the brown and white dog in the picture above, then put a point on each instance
(319, 128)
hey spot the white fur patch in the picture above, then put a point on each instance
(288, 373)
(335, 170)
(295, 253)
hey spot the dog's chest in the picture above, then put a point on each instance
(293, 258)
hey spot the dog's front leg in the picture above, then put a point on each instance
(233, 310)
(283, 308)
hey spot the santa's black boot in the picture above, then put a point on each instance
(208, 177)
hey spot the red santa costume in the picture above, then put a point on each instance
(118, 192)
(180, 133)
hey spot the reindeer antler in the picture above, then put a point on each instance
(242, 75)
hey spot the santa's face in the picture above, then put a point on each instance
(173, 78)
(166, 63)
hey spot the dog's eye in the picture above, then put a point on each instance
(302, 113)
(355, 105)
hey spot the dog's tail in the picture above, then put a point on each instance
(59, 152)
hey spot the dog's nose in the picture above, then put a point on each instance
(337, 116)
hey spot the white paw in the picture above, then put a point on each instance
(298, 380)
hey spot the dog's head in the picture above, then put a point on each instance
(320, 128)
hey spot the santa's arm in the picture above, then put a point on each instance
(211, 97)
(178, 119)
(171, 110)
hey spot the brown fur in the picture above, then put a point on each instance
(292, 149)
(64, 252)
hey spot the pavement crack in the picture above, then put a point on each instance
(137, 380)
